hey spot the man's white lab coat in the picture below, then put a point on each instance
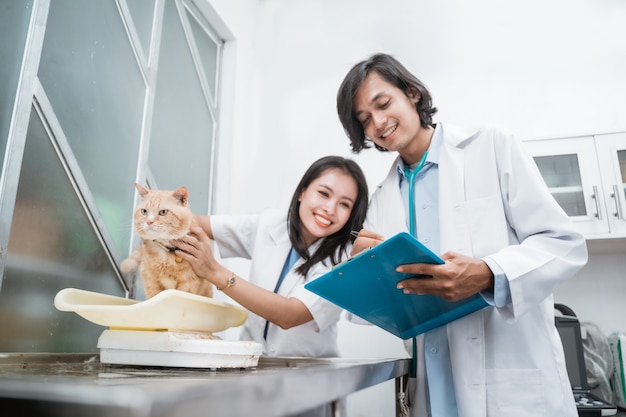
(493, 202)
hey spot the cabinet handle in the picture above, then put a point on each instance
(598, 214)
(618, 204)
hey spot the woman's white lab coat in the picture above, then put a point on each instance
(263, 239)
(493, 203)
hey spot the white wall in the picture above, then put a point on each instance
(540, 68)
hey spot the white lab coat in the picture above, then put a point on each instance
(263, 239)
(508, 361)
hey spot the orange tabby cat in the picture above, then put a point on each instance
(158, 218)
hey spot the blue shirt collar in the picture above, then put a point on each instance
(433, 152)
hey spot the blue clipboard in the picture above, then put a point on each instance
(366, 286)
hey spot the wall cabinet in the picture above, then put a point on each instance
(587, 177)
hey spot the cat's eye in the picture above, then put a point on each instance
(163, 212)
(144, 211)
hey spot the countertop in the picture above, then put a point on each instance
(79, 385)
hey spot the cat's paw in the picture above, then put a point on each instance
(129, 265)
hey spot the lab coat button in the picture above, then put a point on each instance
(433, 350)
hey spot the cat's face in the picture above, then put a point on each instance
(162, 214)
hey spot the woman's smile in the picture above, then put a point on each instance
(321, 220)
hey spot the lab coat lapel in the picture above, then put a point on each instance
(280, 240)
(389, 202)
(453, 224)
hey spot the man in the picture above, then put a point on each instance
(477, 198)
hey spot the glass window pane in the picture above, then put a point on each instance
(562, 175)
(183, 128)
(91, 77)
(621, 157)
(14, 20)
(209, 53)
(52, 246)
(142, 12)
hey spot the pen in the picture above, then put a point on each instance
(354, 233)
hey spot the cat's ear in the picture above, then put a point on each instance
(181, 194)
(142, 191)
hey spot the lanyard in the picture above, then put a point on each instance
(410, 175)
(289, 263)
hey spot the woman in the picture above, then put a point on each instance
(329, 202)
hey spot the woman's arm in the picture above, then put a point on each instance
(195, 248)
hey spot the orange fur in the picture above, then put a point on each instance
(158, 218)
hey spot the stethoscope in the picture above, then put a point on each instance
(410, 176)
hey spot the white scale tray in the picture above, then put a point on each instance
(173, 328)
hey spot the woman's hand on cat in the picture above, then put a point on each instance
(195, 248)
(285, 312)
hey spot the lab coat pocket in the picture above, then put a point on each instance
(516, 393)
(485, 217)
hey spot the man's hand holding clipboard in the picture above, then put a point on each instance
(460, 277)
(370, 286)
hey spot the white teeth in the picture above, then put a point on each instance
(389, 132)
(322, 219)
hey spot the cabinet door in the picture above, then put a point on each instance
(570, 169)
(611, 150)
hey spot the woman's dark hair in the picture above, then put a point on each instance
(393, 72)
(335, 244)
